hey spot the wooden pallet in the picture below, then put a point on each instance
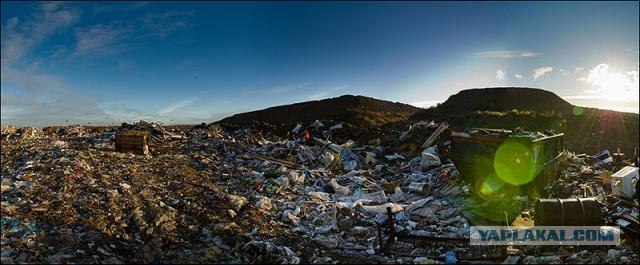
(133, 141)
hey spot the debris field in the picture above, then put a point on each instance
(222, 194)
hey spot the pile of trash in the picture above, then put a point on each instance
(611, 184)
(158, 132)
(232, 196)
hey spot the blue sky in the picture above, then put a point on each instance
(190, 62)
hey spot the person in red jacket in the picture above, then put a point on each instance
(306, 136)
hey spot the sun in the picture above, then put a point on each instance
(613, 86)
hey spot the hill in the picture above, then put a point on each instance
(347, 108)
(586, 129)
(502, 99)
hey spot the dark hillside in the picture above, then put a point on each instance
(347, 108)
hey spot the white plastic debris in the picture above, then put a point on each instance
(624, 182)
(296, 177)
(429, 158)
(320, 195)
(282, 181)
(339, 189)
(327, 159)
(297, 128)
(419, 188)
(424, 260)
(337, 126)
(317, 124)
(382, 209)
(393, 157)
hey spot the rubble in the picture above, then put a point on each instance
(8, 130)
(229, 195)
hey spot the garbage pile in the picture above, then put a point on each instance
(232, 196)
(158, 132)
(613, 186)
(598, 176)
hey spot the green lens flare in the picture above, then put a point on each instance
(577, 110)
(515, 163)
(488, 187)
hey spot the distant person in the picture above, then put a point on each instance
(306, 137)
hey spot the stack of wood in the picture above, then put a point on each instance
(133, 141)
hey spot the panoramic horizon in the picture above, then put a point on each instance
(185, 63)
(320, 132)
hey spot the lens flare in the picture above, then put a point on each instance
(515, 163)
(577, 111)
(489, 187)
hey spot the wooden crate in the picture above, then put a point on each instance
(133, 141)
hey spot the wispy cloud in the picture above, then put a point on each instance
(118, 36)
(99, 39)
(563, 71)
(508, 54)
(119, 112)
(518, 76)
(110, 8)
(19, 36)
(542, 71)
(164, 23)
(30, 94)
(500, 75)
(324, 93)
(171, 108)
(34, 97)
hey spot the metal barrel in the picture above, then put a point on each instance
(568, 212)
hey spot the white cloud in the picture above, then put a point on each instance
(508, 54)
(519, 76)
(579, 70)
(174, 106)
(608, 89)
(99, 39)
(326, 92)
(542, 71)
(19, 36)
(103, 39)
(30, 97)
(165, 23)
(500, 75)
(612, 85)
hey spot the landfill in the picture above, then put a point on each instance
(222, 194)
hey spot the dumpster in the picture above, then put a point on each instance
(516, 158)
(505, 164)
